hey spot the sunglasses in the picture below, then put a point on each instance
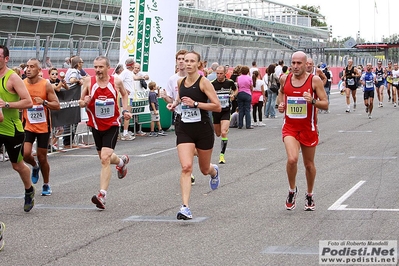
(54, 73)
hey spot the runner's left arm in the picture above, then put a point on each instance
(318, 88)
(52, 101)
(16, 85)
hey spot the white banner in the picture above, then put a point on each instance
(149, 35)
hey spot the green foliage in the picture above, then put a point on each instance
(314, 21)
(393, 53)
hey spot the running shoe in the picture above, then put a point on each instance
(153, 134)
(192, 179)
(46, 190)
(35, 173)
(354, 107)
(29, 200)
(99, 200)
(261, 124)
(162, 133)
(309, 203)
(290, 202)
(184, 213)
(128, 137)
(348, 110)
(4, 158)
(367, 108)
(370, 116)
(215, 181)
(221, 159)
(140, 133)
(2, 229)
(122, 171)
(394, 105)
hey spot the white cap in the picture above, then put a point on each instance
(62, 74)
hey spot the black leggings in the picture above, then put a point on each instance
(257, 108)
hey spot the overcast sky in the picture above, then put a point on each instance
(350, 16)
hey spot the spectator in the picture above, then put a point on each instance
(18, 71)
(74, 81)
(23, 67)
(126, 76)
(138, 75)
(67, 63)
(258, 95)
(48, 63)
(253, 68)
(279, 68)
(244, 97)
(119, 69)
(271, 91)
(212, 74)
(201, 68)
(154, 109)
(56, 83)
(82, 72)
(233, 77)
(327, 86)
(234, 119)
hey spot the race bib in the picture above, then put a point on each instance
(350, 82)
(104, 108)
(296, 107)
(36, 114)
(395, 81)
(379, 78)
(190, 114)
(224, 100)
(369, 84)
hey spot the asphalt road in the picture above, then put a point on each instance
(244, 222)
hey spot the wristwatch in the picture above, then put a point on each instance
(195, 104)
(45, 102)
(314, 101)
(7, 105)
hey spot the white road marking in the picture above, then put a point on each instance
(162, 219)
(355, 131)
(338, 206)
(136, 155)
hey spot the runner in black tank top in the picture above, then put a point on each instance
(380, 85)
(194, 129)
(350, 75)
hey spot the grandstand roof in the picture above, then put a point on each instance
(260, 9)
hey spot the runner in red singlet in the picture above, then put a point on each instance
(100, 97)
(300, 94)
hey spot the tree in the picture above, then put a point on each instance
(393, 53)
(315, 22)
